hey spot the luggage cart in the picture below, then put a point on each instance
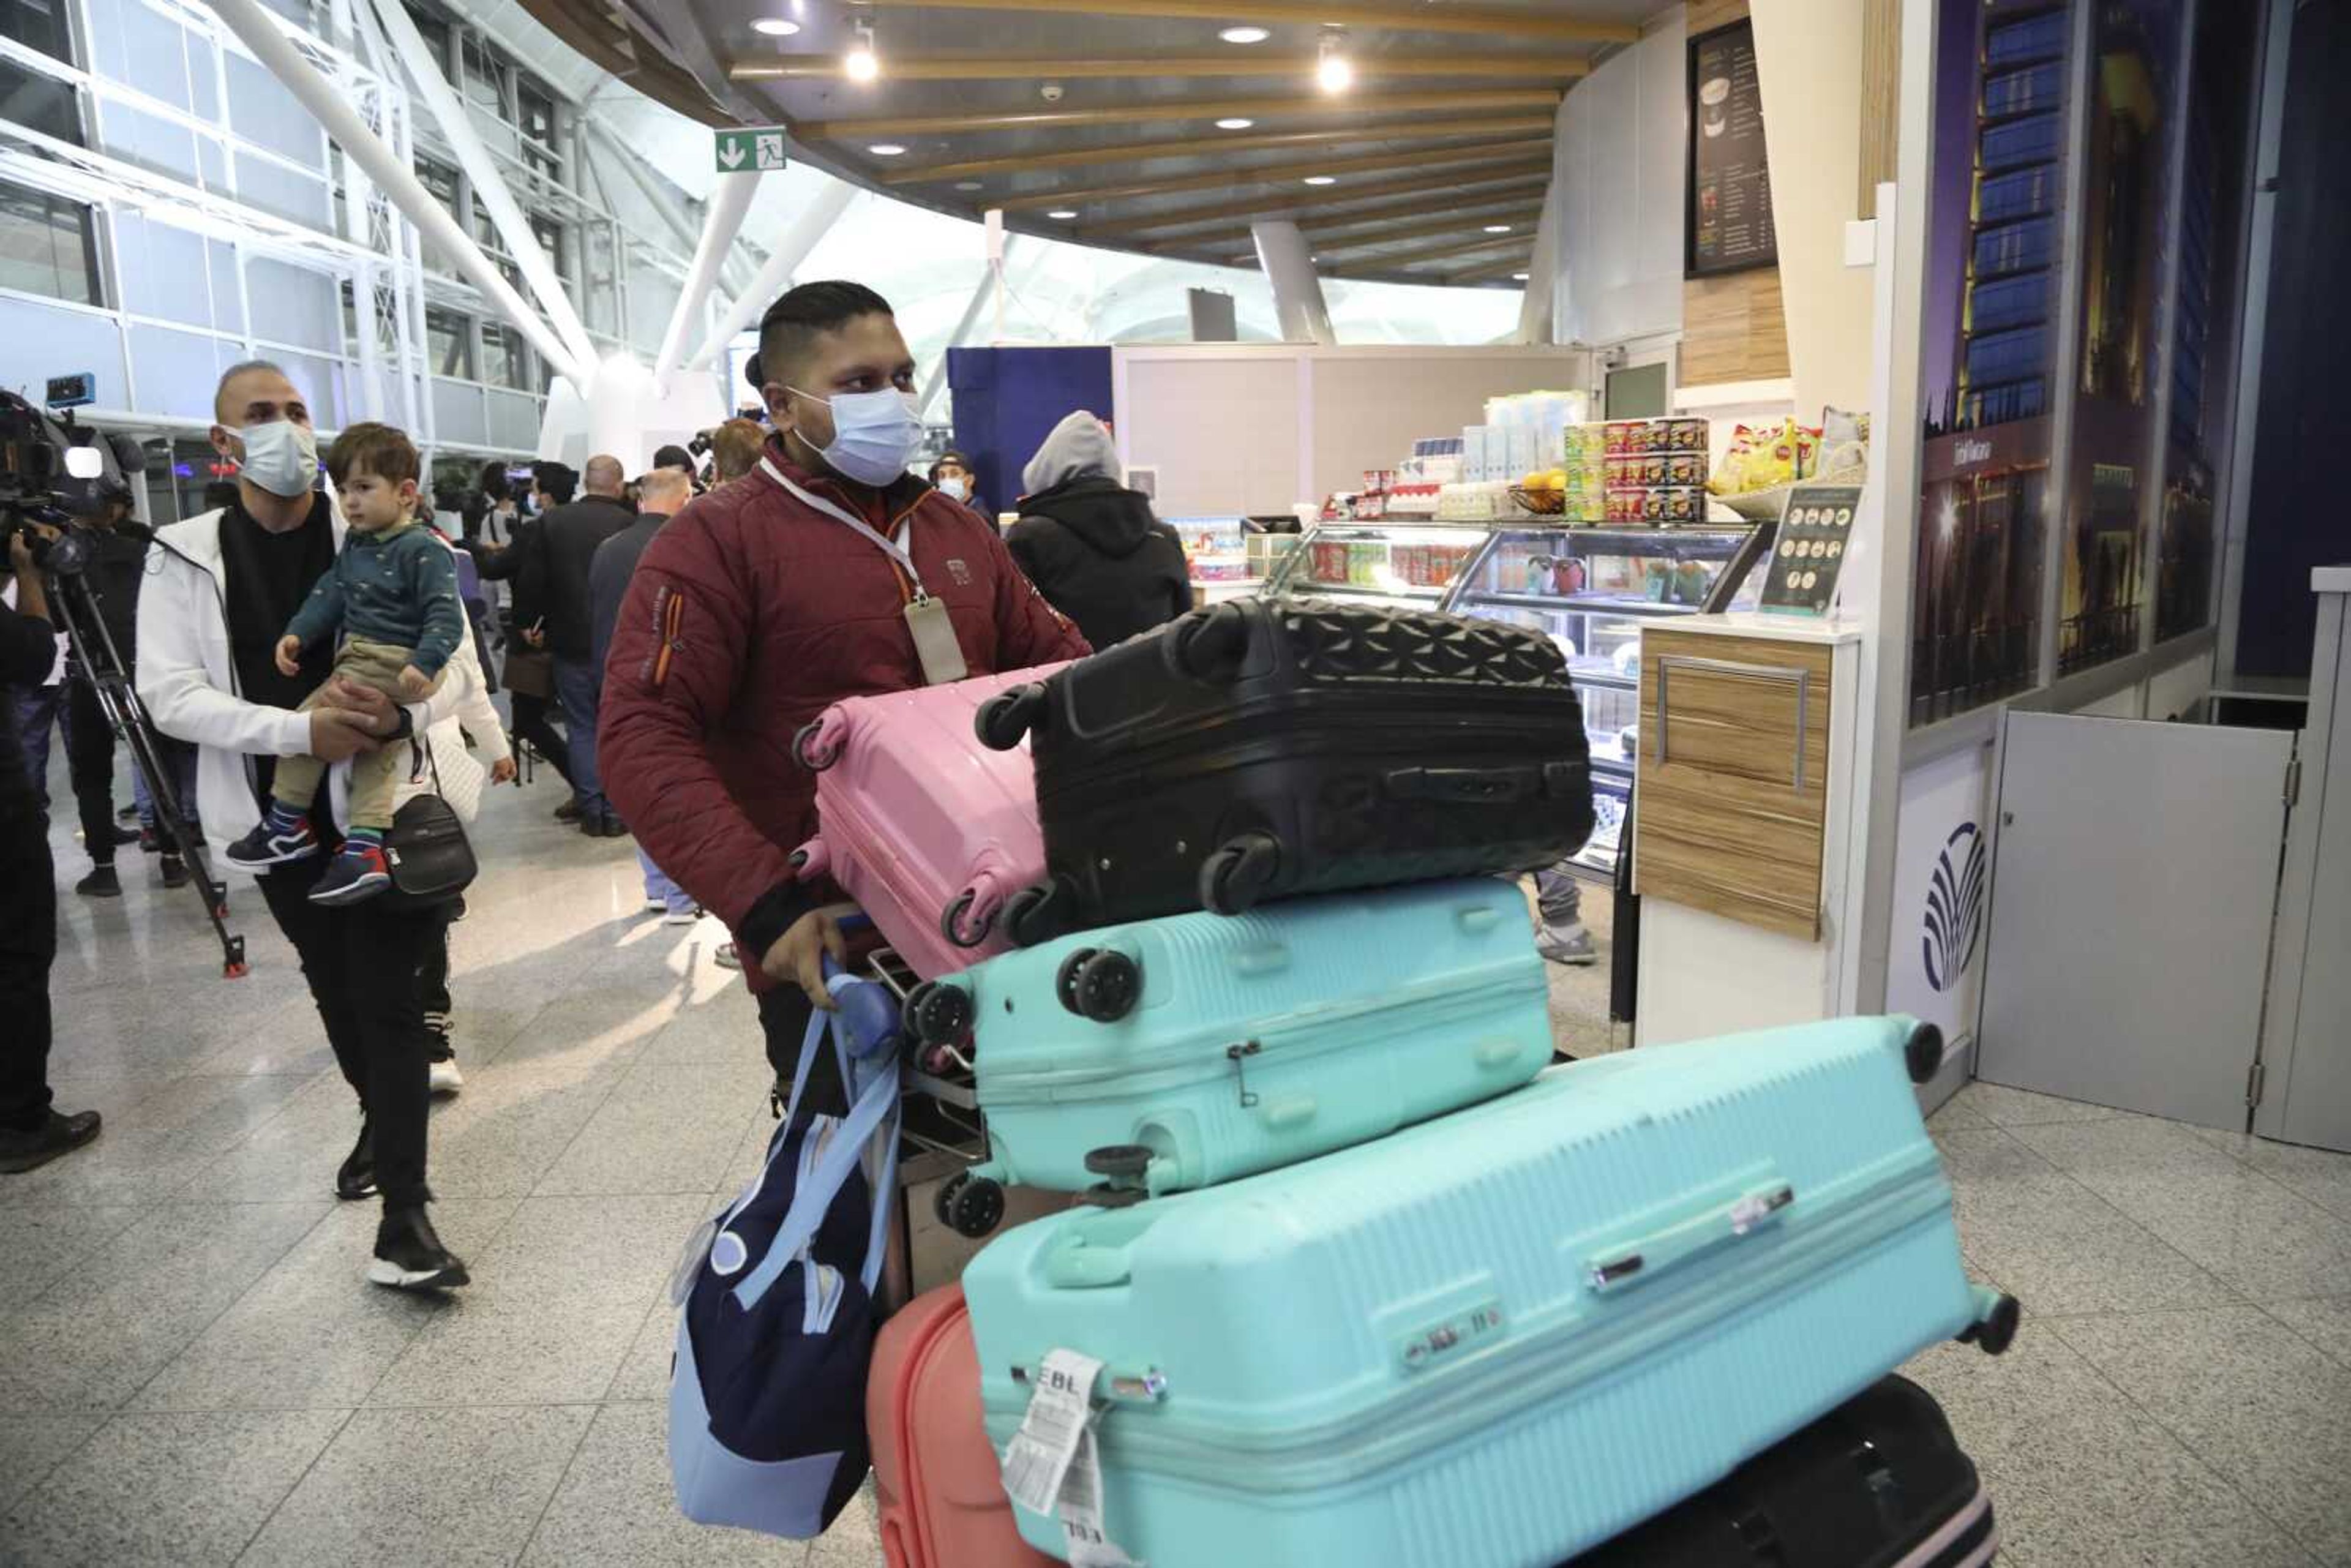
(940, 1133)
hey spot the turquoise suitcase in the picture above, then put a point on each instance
(1497, 1339)
(1179, 1053)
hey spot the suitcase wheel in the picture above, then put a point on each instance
(969, 1205)
(1032, 914)
(952, 927)
(1108, 1196)
(1210, 647)
(1235, 876)
(1998, 1330)
(803, 744)
(1102, 985)
(1003, 719)
(938, 1014)
(1922, 1053)
(1117, 1161)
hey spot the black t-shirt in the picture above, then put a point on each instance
(268, 576)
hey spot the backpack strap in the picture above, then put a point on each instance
(875, 1110)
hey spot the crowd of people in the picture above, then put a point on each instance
(315, 658)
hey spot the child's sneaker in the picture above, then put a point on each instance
(269, 844)
(358, 872)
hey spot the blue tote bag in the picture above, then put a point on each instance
(767, 1404)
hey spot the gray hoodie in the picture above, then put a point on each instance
(1079, 448)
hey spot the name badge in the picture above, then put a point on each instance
(935, 642)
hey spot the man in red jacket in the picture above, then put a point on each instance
(828, 571)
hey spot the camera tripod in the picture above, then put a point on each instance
(95, 659)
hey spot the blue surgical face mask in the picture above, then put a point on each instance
(958, 487)
(873, 433)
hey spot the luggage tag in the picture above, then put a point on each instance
(934, 639)
(1080, 1510)
(1038, 1457)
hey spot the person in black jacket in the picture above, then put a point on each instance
(1091, 545)
(567, 538)
(521, 566)
(32, 1132)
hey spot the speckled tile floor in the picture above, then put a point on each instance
(191, 1372)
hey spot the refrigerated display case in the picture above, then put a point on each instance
(1396, 561)
(1591, 590)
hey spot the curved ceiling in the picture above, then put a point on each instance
(1098, 120)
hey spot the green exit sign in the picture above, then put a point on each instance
(750, 148)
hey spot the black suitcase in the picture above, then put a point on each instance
(1264, 748)
(1878, 1482)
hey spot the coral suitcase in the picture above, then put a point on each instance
(926, 829)
(1264, 748)
(935, 1476)
(1501, 1337)
(1177, 1052)
(1878, 1482)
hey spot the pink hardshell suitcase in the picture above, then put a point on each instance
(926, 829)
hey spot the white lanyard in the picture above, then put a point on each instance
(888, 547)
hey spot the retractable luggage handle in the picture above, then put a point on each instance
(1611, 1268)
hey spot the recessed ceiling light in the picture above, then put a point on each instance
(1061, 215)
(1322, 179)
(1332, 70)
(1236, 123)
(886, 150)
(864, 64)
(1517, 277)
(1490, 228)
(775, 26)
(1245, 35)
(969, 185)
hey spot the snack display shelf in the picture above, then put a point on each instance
(1597, 603)
(1400, 561)
(1591, 588)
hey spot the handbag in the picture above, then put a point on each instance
(529, 672)
(427, 850)
(767, 1401)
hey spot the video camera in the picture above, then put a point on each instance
(53, 471)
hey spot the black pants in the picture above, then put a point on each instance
(433, 986)
(364, 964)
(28, 944)
(784, 1018)
(89, 754)
(532, 722)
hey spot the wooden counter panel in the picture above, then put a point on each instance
(1722, 822)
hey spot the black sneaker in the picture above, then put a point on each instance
(175, 872)
(125, 836)
(410, 1257)
(127, 813)
(358, 872)
(23, 1149)
(567, 812)
(355, 1180)
(101, 882)
(263, 847)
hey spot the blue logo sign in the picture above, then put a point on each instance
(1955, 907)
